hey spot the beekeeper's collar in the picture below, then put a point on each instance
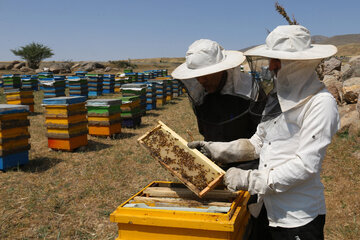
(297, 82)
(237, 84)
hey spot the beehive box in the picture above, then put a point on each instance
(14, 136)
(20, 97)
(104, 116)
(166, 210)
(195, 170)
(66, 122)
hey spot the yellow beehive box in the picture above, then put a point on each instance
(65, 122)
(190, 166)
(64, 111)
(178, 214)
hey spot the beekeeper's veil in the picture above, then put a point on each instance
(297, 80)
(206, 57)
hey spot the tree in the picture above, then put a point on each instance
(33, 53)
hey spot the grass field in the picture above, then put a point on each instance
(62, 195)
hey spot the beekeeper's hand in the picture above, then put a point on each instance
(254, 181)
(237, 179)
(201, 146)
(226, 152)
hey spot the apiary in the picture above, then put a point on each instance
(130, 112)
(78, 86)
(20, 97)
(53, 87)
(166, 210)
(11, 81)
(108, 83)
(14, 136)
(95, 84)
(104, 117)
(29, 82)
(66, 122)
(190, 166)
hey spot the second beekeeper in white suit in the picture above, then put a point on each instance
(299, 121)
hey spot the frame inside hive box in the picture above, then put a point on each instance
(190, 166)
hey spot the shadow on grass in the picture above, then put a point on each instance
(40, 164)
(36, 113)
(142, 125)
(93, 146)
(152, 114)
(124, 135)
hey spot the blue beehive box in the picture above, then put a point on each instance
(64, 100)
(108, 83)
(14, 144)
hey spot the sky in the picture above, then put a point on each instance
(89, 30)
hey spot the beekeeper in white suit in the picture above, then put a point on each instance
(291, 143)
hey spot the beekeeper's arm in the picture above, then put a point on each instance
(226, 152)
(319, 125)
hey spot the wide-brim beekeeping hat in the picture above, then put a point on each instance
(205, 57)
(291, 42)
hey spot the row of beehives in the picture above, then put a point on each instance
(90, 85)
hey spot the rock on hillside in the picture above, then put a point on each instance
(355, 65)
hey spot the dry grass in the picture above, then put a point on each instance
(70, 195)
(62, 195)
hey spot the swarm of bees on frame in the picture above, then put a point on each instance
(162, 146)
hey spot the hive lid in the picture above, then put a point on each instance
(134, 85)
(64, 100)
(103, 102)
(10, 108)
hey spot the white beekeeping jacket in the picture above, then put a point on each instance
(292, 147)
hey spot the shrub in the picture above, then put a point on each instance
(33, 53)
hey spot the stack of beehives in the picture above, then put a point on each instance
(95, 84)
(160, 92)
(132, 76)
(164, 72)
(80, 73)
(130, 112)
(29, 82)
(120, 79)
(78, 86)
(66, 122)
(136, 89)
(150, 96)
(104, 117)
(140, 77)
(11, 81)
(175, 88)
(169, 90)
(20, 97)
(108, 83)
(53, 86)
(42, 75)
(14, 135)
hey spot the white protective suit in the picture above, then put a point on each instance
(291, 148)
